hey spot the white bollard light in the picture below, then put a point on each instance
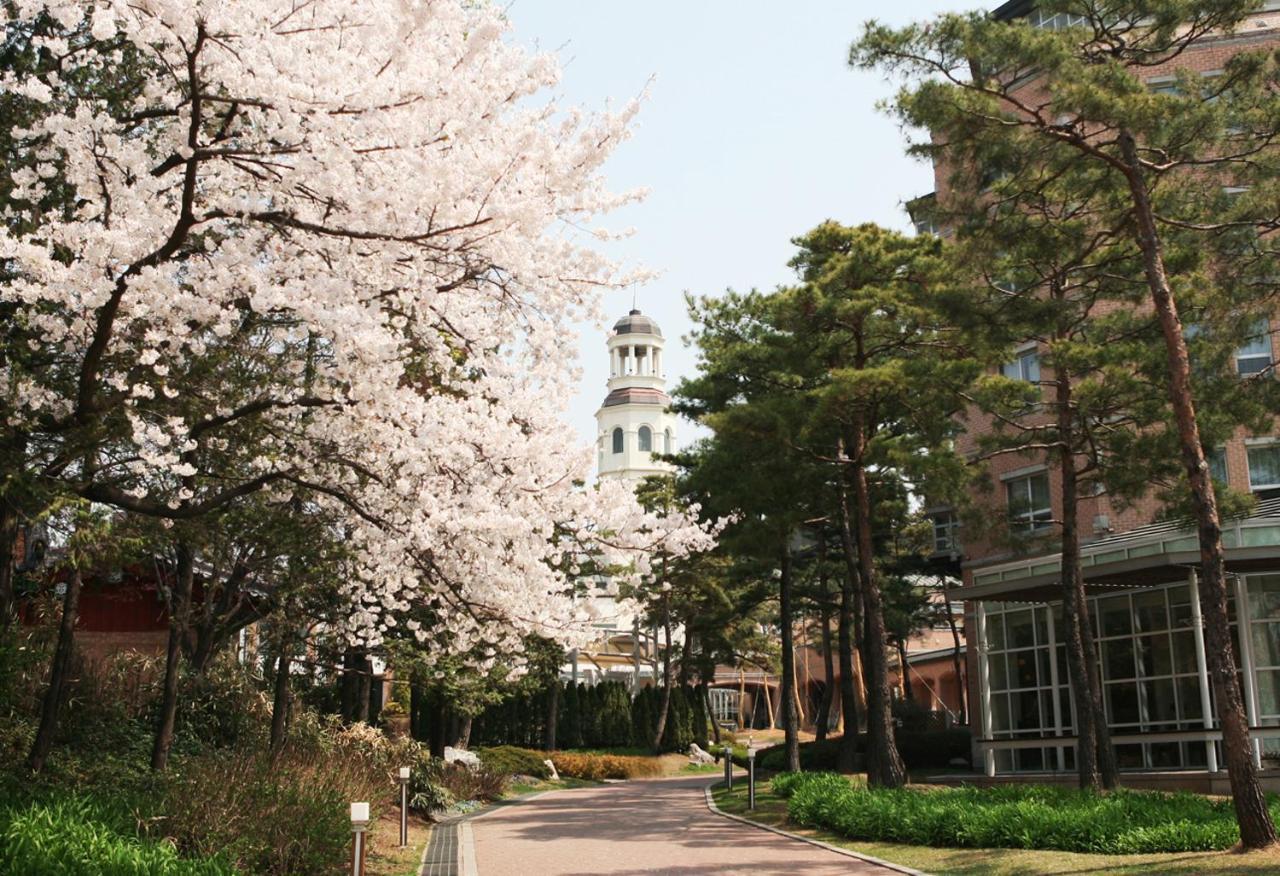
(404, 806)
(359, 824)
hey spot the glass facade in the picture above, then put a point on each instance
(1150, 676)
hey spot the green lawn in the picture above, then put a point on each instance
(772, 810)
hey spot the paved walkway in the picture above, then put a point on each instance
(646, 827)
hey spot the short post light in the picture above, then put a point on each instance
(359, 824)
(404, 807)
(728, 767)
(751, 779)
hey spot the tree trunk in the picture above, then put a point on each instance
(957, 662)
(907, 693)
(884, 765)
(464, 733)
(58, 672)
(1256, 827)
(790, 718)
(364, 688)
(179, 616)
(665, 708)
(283, 694)
(1095, 756)
(847, 757)
(706, 705)
(8, 542)
(553, 714)
(823, 717)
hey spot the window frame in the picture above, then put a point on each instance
(1033, 520)
(619, 440)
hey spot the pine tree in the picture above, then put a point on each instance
(1161, 163)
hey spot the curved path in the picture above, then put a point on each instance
(639, 827)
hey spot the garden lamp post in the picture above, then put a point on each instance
(751, 779)
(728, 767)
(359, 824)
(404, 807)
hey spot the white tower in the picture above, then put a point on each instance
(634, 423)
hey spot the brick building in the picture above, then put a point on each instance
(1140, 574)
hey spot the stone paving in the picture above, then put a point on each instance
(642, 827)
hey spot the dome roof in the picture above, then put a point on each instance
(636, 323)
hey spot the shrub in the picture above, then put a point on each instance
(287, 816)
(459, 781)
(605, 766)
(1013, 816)
(930, 749)
(78, 837)
(508, 760)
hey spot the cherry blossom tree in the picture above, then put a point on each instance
(328, 253)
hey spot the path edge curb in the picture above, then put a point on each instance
(848, 853)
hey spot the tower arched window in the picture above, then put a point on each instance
(646, 439)
(668, 443)
(617, 440)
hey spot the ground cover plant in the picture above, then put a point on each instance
(605, 766)
(1013, 816)
(82, 836)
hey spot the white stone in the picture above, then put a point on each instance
(555, 776)
(460, 755)
(697, 755)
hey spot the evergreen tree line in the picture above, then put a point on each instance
(604, 715)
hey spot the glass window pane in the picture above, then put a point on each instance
(1264, 467)
(1154, 655)
(1160, 703)
(1115, 616)
(995, 632)
(1184, 652)
(1022, 668)
(646, 439)
(1268, 691)
(1122, 703)
(1000, 712)
(1117, 659)
(1040, 492)
(1266, 644)
(1150, 612)
(1189, 699)
(1027, 704)
(1264, 596)
(1020, 628)
(999, 675)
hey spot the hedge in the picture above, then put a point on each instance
(508, 760)
(1014, 816)
(927, 749)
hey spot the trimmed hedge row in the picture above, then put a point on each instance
(920, 749)
(1013, 816)
(510, 760)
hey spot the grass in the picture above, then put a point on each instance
(385, 857)
(771, 809)
(1013, 816)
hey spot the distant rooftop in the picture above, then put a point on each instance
(636, 323)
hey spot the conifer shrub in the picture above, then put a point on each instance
(1013, 816)
(509, 760)
(598, 767)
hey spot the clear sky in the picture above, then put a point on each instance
(755, 130)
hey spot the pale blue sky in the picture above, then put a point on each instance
(755, 130)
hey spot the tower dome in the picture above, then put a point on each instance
(634, 423)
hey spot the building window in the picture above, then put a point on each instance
(1025, 367)
(1029, 506)
(1217, 459)
(1056, 20)
(1255, 356)
(646, 439)
(617, 440)
(668, 443)
(1264, 470)
(944, 532)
